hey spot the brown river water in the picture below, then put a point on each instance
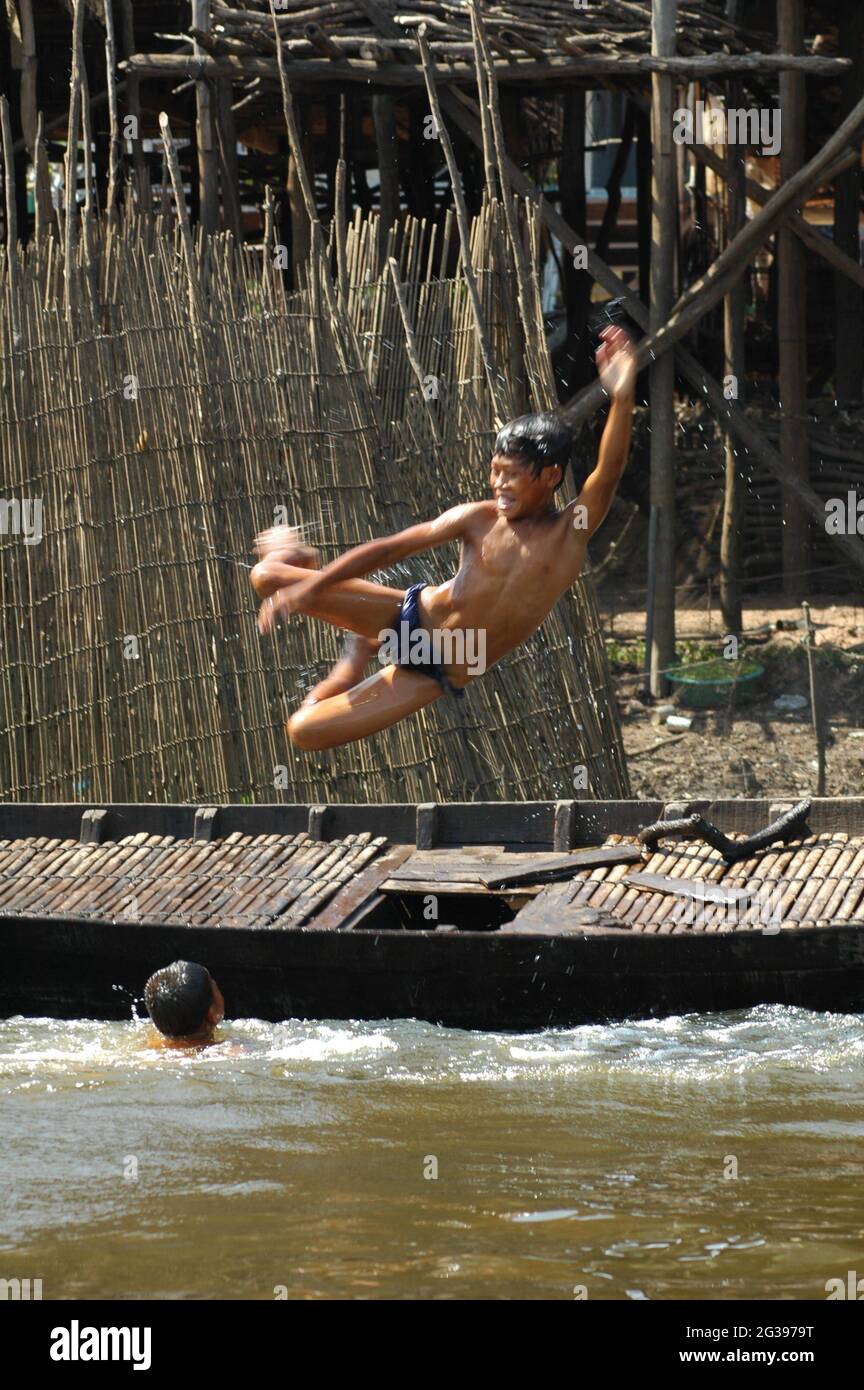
(299, 1160)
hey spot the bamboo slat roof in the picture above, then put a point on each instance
(276, 881)
(240, 881)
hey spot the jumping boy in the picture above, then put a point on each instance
(519, 554)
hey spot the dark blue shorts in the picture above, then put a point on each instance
(409, 613)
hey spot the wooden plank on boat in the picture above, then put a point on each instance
(489, 867)
(553, 913)
(700, 889)
(545, 867)
(449, 886)
(360, 892)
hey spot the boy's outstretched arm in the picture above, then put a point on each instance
(380, 554)
(616, 363)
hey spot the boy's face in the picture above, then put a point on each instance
(516, 491)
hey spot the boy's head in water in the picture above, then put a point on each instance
(185, 1003)
(528, 465)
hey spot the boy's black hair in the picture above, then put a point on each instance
(178, 998)
(540, 440)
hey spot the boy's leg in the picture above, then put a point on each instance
(381, 700)
(281, 553)
(357, 652)
(355, 604)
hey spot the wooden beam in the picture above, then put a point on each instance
(660, 629)
(395, 74)
(813, 239)
(712, 286)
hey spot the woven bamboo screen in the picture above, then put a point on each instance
(159, 429)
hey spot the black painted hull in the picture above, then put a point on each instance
(68, 968)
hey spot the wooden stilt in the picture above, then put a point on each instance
(664, 214)
(575, 367)
(208, 152)
(229, 170)
(792, 310)
(849, 369)
(734, 307)
(300, 225)
(30, 114)
(133, 131)
(384, 121)
(643, 201)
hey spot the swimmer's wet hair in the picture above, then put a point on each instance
(178, 998)
(540, 440)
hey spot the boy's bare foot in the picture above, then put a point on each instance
(286, 544)
(356, 655)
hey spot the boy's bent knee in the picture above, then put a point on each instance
(307, 733)
(259, 578)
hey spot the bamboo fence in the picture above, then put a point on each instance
(164, 399)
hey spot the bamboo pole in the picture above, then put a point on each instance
(816, 711)
(792, 310)
(483, 103)
(411, 346)
(114, 148)
(497, 387)
(70, 225)
(196, 309)
(660, 628)
(42, 180)
(542, 391)
(11, 220)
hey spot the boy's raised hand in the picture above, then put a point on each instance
(616, 363)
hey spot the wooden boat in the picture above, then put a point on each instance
(482, 915)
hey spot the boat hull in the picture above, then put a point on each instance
(480, 980)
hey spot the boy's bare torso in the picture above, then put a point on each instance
(511, 574)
